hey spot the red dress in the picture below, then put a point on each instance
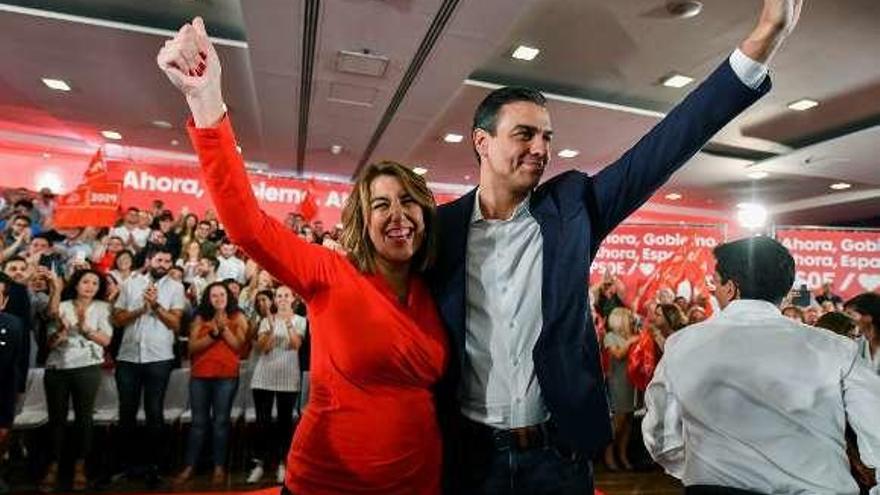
(371, 425)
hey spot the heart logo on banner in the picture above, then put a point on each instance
(869, 282)
(646, 268)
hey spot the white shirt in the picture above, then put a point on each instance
(138, 235)
(872, 360)
(200, 283)
(147, 339)
(78, 351)
(231, 267)
(278, 370)
(503, 320)
(499, 385)
(753, 400)
(72, 250)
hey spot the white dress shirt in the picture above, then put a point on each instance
(138, 236)
(231, 267)
(753, 400)
(872, 360)
(147, 339)
(503, 320)
(499, 385)
(78, 351)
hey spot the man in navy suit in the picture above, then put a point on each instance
(524, 406)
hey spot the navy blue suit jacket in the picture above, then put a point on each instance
(575, 212)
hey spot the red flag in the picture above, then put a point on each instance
(309, 207)
(690, 264)
(97, 169)
(94, 203)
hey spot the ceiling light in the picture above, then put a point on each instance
(111, 135)
(568, 153)
(757, 175)
(162, 124)
(420, 170)
(673, 196)
(49, 180)
(523, 52)
(684, 9)
(47, 155)
(336, 149)
(453, 138)
(467, 177)
(840, 186)
(238, 149)
(804, 104)
(174, 142)
(751, 215)
(56, 84)
(677, 81)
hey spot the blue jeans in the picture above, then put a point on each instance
(549, 470)
(211, 402)
(151, 381)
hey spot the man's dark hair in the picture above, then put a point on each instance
(50, 239)
(158, 249)
(226, 240)
(133, 208)
(486, 114)
(204, 222)
(25, 203)
(866, 303)
(21, 217)
(760, 267)
(12, 259)
(837, 322)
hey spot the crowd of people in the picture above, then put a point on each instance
(155, 292)
(624, 334)
(161, 290)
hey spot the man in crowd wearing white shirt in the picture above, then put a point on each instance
(149, 308)
(865, 310)
(230, 265)
(131, 232)
(205, 276)
(752, 402)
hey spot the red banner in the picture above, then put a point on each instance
(180, 187)
(94, 203)
(849, 259)
(637, 253)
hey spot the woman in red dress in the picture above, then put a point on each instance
(378, 346)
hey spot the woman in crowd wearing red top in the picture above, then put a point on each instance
(215, 339)
(106, 260)
(378, 346)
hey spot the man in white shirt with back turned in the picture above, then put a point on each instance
(752, 402)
